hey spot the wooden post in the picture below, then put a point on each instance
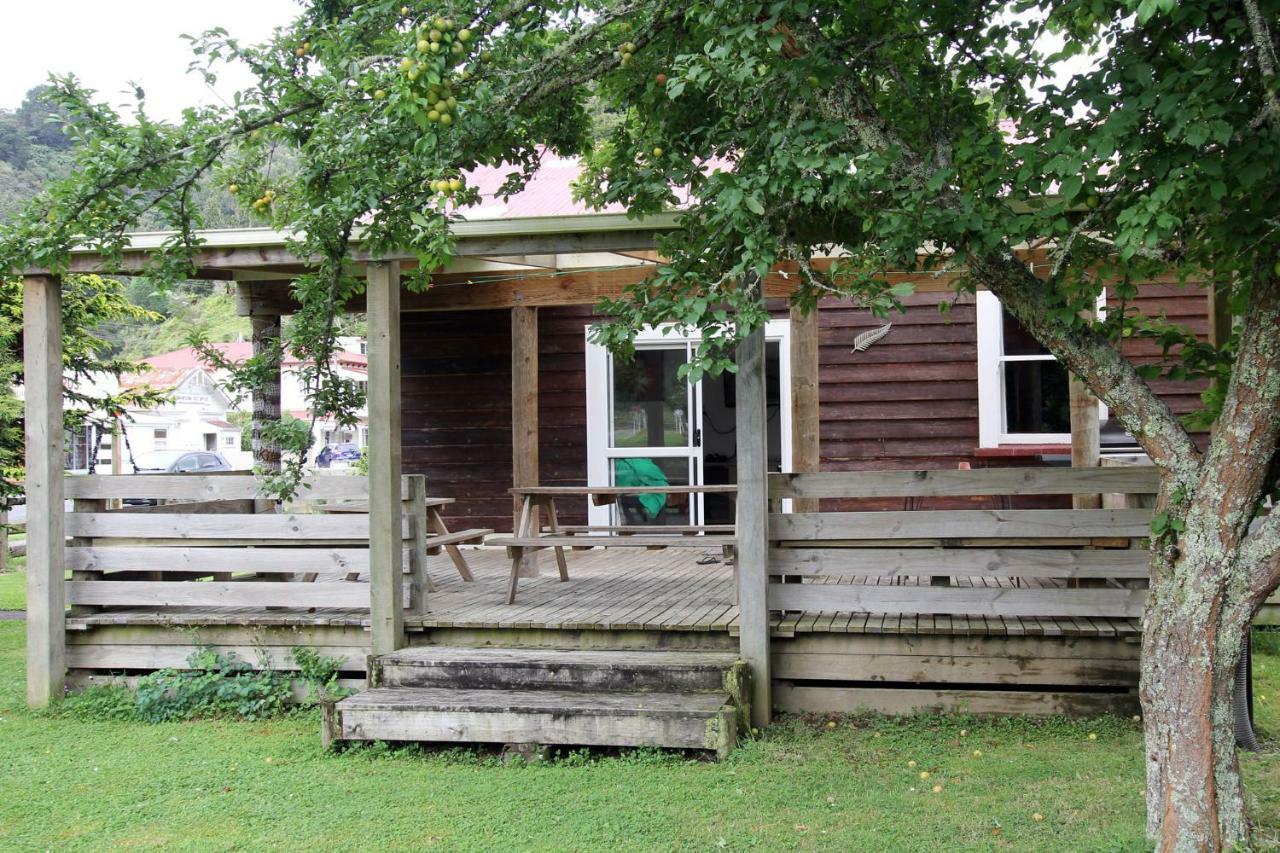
(1219, 317)
(386, 544)
(805, 455)
(753, 522)
(46, 590)
(266, 400)
(117, 457)
(524, 418)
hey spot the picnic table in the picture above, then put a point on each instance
(438, 534)
(526, 539)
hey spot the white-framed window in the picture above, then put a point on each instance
(230, 440)
(1023, 392)
(160, 439)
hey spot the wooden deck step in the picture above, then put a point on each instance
(526, 669)
(673, 699)
(692, 720)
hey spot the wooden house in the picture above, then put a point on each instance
(855, 565)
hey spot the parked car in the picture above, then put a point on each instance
(181, 462)
(338, 455)
(176, 462)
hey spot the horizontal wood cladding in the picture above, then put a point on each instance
(456, 380)
(908, 401)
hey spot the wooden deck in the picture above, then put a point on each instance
(623, 590)
(630, 598)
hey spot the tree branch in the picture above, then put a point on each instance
(1260, 560)
(1267, 61)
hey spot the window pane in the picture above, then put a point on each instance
(650, 403)
(1036, 397)
(1017, 340)
(652, 508)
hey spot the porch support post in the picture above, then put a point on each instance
(266, 399)
(386, 597)
(753, 521)
(1086, 449)
(1086, 444)
(46, 591)
(524, 417)
(805, 455)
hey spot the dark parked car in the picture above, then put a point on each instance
(177, 462)
(181, 462)
(341, 454)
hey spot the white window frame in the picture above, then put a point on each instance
(160, 439)
(992, 430)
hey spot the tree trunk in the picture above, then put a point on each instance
(1191, 644)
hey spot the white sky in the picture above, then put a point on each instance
(109, 44)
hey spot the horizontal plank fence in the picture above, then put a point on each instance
(972, 562)
(215, 541)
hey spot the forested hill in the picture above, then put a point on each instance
(34, 151)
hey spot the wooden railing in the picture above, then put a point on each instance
(1026, 562)
(214, 541)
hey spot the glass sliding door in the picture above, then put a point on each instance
(652, 441)
(646, 426)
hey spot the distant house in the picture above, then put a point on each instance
(201, 412)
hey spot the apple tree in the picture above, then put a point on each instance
(1123, 139)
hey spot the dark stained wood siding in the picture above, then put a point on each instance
(456, 421)
(1183, 305)
(456, 385)
(909, 401)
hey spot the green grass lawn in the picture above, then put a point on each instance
(13, 585)
(71, 781)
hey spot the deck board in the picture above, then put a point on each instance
(623, 589)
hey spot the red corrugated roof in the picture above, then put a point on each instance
(239, 351)
(170, 368)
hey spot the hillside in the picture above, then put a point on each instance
(34, 151)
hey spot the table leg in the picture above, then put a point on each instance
(459, 561)
(517, 554)
(553, 522)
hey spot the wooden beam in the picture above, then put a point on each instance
(480, 291)
(805, 456)
(1086, 448)
(524, 416)
(222, 262)
(753, 522)
(266, 399)
(1219, 316)
(46, 591)
(386, 598)
(1086, 442)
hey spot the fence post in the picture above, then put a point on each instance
(46, 522)
(753, 522)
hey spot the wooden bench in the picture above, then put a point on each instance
(438, 534)
(529, 537)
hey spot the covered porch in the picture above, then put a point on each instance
(976, 607)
